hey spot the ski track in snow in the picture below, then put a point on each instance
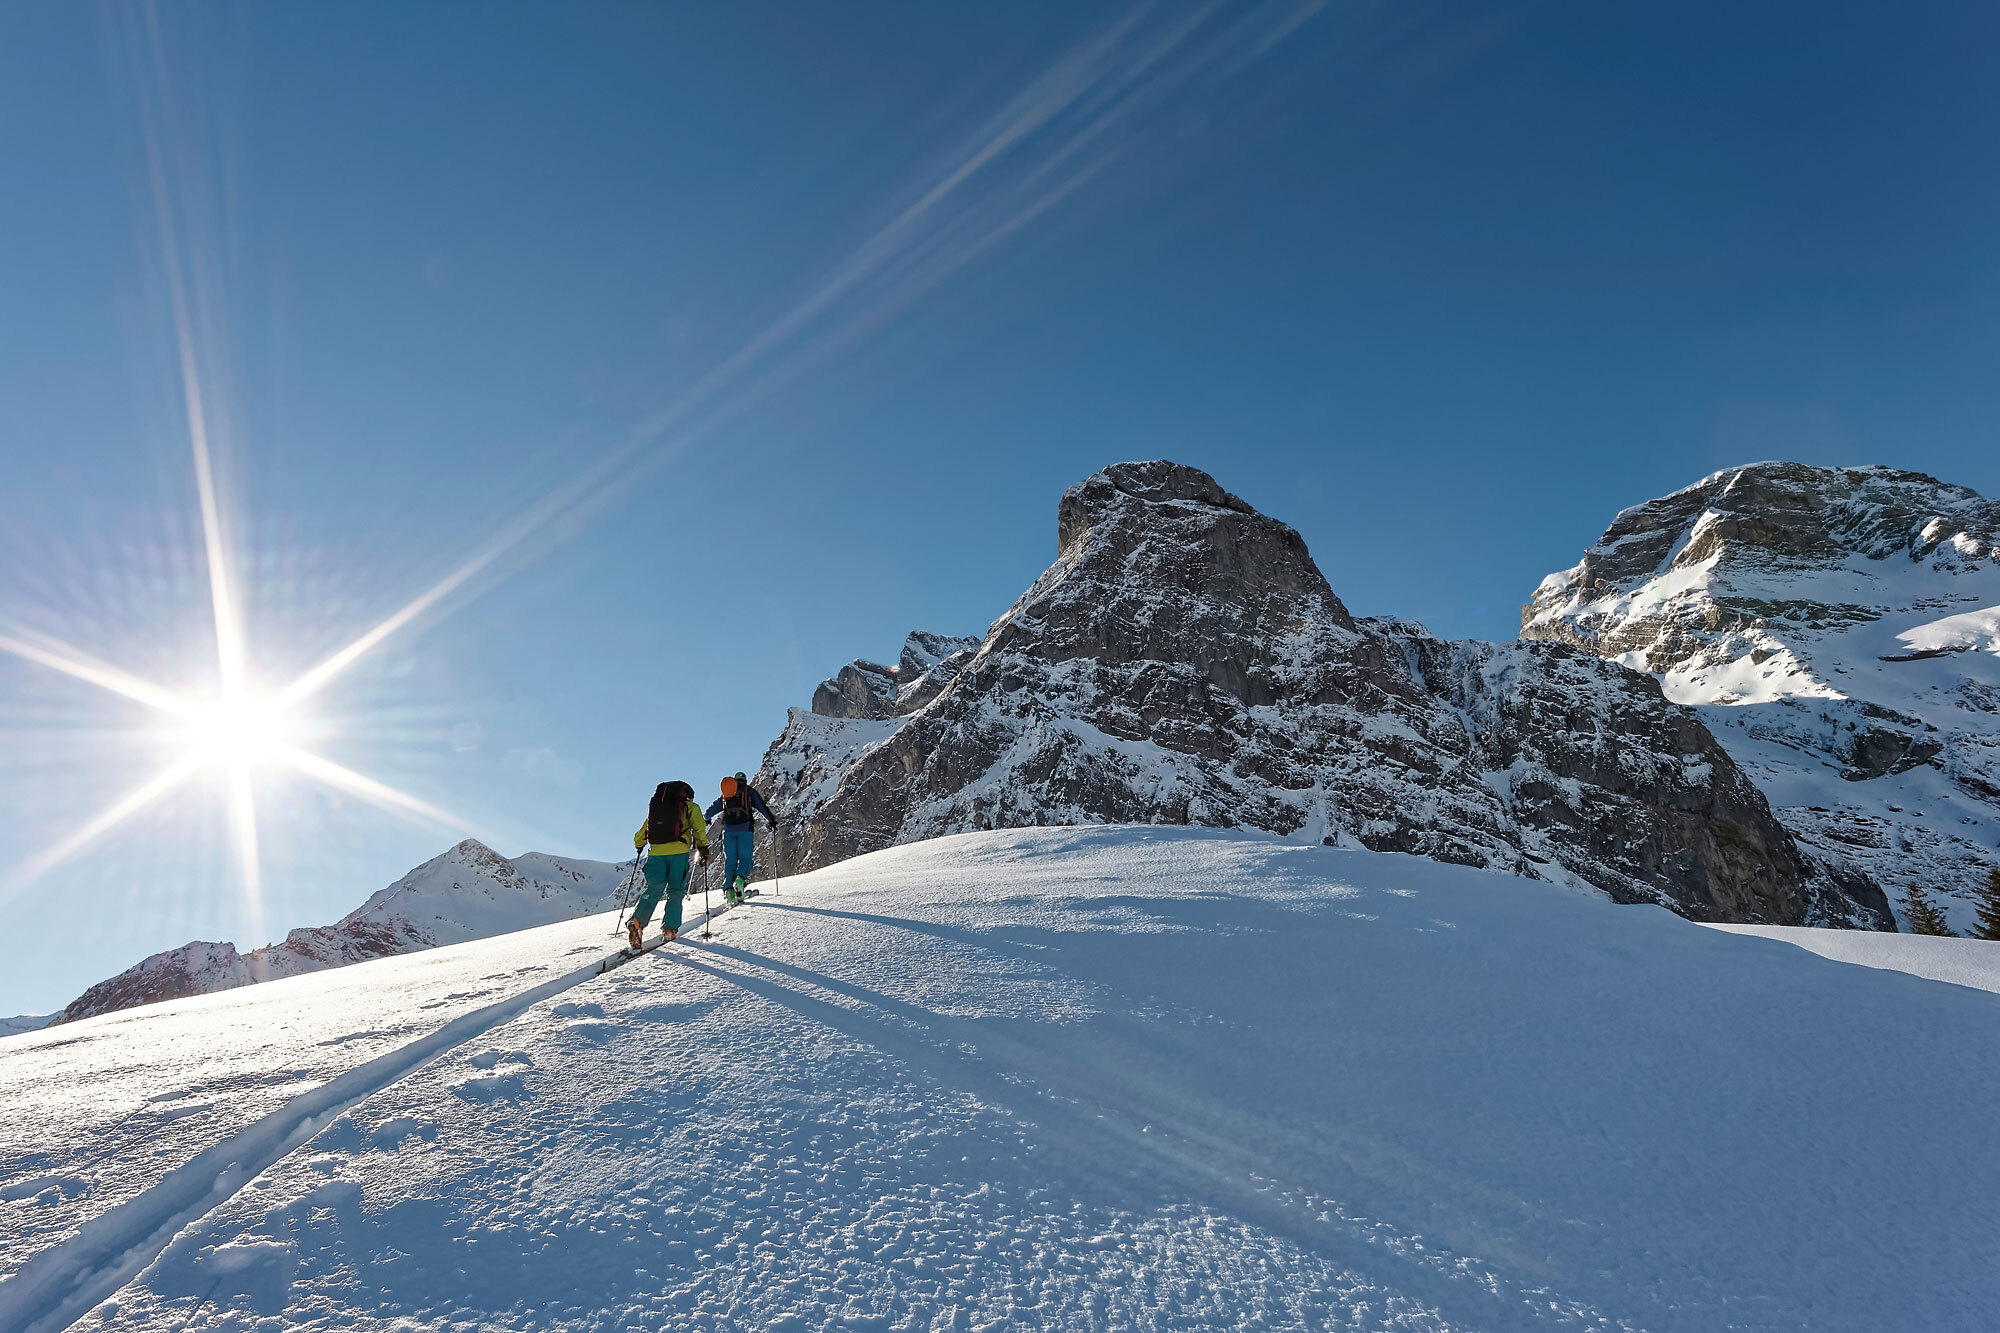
(177, 1182)
(1123, 1078)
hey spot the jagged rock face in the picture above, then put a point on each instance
(1837, 629)
(859, 689)
(868, 690)
(1184, 661)
(467, 893)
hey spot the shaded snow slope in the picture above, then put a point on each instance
(466, 893)
(1151, 1078)
(1837, 628)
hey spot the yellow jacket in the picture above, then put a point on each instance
(691, 822)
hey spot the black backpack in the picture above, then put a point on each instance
(667, 812)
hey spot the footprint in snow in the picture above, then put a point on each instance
(393, 1133)
(56, 1188)
(488, 1059)
(491, 1088)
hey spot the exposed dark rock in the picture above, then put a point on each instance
(1837, 629)
(1184, 661)
(860, 689)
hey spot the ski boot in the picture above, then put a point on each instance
(632, 931)
(669, 935)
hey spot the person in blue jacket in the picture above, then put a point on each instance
(738, 805)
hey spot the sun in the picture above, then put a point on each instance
(237, 732)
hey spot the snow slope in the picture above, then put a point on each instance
(101, 1111)
(1962, 962)
(1086, 1078)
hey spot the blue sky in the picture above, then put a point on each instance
(816, 310)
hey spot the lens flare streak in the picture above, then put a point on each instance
(43, 650)
(376, 793)
(124, 808)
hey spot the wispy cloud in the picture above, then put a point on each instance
(1066, 129)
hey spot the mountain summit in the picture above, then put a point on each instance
(1839, 630)
(466, 893)
(1184, 661)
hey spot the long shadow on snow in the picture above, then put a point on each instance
(983, 940)
(1106, 1099)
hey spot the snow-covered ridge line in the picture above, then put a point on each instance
(59, 1285)
(469, 892)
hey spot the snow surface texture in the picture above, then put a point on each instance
(1838, 629)
(1184, 661)
(1096, 1078)
(1974, 963)
(467, 893)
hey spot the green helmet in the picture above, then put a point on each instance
(741, 778)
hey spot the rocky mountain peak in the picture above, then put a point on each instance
(1733, 529)
(866, 691)
(1098, 496)
(1839, 631)
(1184, 661)
(1179, 559)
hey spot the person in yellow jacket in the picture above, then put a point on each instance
(673, 828)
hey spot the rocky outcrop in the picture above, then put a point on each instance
(860, 689)
(868, 691)
(1184, 661)
(1837, 630)
(467, 893)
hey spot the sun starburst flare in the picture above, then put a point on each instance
(1061, 131)
(238, 732)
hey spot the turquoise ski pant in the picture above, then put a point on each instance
(664, 875)
(738, 845)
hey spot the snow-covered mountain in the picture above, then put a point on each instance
(466, 893)
(1185, 662)
(24, 1023)
(1104, 1078)
(1839, 631)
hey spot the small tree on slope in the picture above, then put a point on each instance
(1925, 918)
(1987, 926)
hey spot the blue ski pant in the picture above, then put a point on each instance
(664, 875)
(738, 845)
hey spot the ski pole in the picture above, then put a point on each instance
(707, 879)
(625, 903)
